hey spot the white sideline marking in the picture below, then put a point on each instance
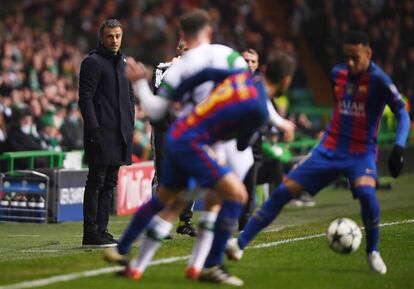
(272, 244)
(107, 270)
(40, 251)
(34, 236)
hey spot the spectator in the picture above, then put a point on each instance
(72, 129)
(49, 133)
(23, 135)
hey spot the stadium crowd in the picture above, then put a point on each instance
(42, 47)
(41, 51)
(389, 24)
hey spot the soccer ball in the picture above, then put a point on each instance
(344, 236)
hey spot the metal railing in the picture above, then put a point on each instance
(55, 158)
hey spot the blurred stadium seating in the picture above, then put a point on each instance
(43, 42)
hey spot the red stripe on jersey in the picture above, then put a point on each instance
(204, 157)
(338, 92)
(233, 90)
(359, 131)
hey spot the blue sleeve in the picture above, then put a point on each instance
(208, 74)
(403, 128)
(394, 100)
(247, 139)
(249, 131)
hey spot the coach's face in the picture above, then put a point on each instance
(357, 57)
(112, 38)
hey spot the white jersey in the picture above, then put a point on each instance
(194, 61)
(191, 63)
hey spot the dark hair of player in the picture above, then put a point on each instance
(356, 37)
(111, 23)
(280, 66)
(194, 21)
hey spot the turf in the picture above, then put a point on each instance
(33, 251)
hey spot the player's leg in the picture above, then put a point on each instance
(142, 218)
(315, 167)
(234, 196)
(370, 213)
(239, 162)
(363, 178)
(185, 227)
(242, 164)
(172, 182)
(269, 211)
(205, 235)
(202, 164)
(250, 183)
(158, 146)
(158, 230)
(138, 224)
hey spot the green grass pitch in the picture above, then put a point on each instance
(31, 252)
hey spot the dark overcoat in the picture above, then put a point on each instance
(107, 103)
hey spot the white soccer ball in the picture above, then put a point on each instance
(344, 236)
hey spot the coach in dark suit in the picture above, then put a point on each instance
(107, 106)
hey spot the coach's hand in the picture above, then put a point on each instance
(396, 161)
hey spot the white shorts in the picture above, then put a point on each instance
(239, 161)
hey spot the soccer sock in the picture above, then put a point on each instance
(204, 240)
(265, 215)
(370, 213)
(139, 222)
(158, 231)
(226, 224)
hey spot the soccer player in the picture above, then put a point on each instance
(201, 55)
(361, 89)
(159, 131)
(237, 107)
(197, 33)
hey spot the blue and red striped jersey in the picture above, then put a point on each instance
(359, 102)
(235, 109)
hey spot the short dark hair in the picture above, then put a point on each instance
(251, 51)
(356, 37)
(111, 23)
(192, 22)
(280, 66)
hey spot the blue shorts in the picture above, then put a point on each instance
(319, 169)
(189, 158)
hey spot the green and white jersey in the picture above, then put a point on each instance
(194, 61)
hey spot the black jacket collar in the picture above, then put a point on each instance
(101, 50)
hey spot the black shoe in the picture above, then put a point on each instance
(93, 240)
(109, 237)
(186, 228)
